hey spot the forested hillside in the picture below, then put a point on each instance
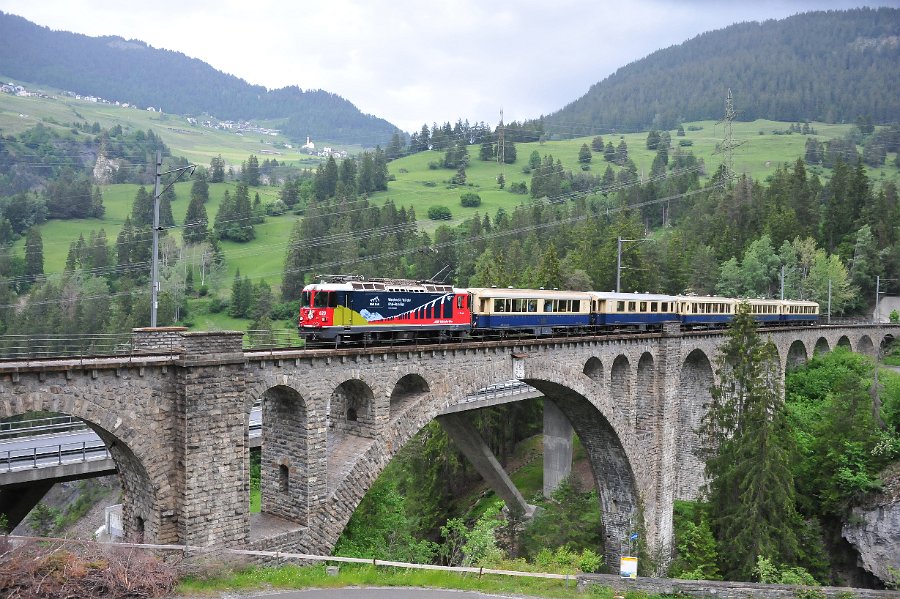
(830, 66)
(131, 71)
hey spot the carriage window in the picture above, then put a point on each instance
(620, 306)
(643, 306)
(304, 299)
(632, 306)
(499, 305)
(532, 305)
(548, 305)
(654, 307)
(484, 304)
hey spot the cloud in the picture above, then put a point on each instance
(413, 62)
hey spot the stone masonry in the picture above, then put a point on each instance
(177, 422)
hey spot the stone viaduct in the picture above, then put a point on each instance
(175, 412)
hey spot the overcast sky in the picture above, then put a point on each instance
(410, 61)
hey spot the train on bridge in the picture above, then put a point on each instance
(342, 309)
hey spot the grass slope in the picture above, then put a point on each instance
(419, 186)
(416, 184)
(761, 153)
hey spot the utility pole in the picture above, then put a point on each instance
(728, 144)
(782, 282)
(620, 241)
(154, 269)
(619, 266)
(154, 274)
(501, 144)
(829, 301)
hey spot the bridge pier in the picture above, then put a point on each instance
(466, 437)
(211, 457)
(558, 437)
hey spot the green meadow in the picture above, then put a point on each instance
(764, 146)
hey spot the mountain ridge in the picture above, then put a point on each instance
(830, 66)
(131, 71)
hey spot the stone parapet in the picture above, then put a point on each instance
(206, 347)
(157, 340)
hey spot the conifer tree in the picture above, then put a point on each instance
(34, 254)
(142, 208)
(749, 451)
(584, 156)
(196, 221)
(200, 186)
(217, 169)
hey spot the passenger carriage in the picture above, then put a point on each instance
(765, 311)
(631, 310)
(705, 312)
(528, 311)
(799, 312)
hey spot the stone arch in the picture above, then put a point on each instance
(695, 382)
(796, 354)
(865, 346)
(600, 425)
(822, 346)
(620, 386)
(142, 471)
(593, 368)
(886, 341)
(645, 399)
(284, 460)
(844, 341)
(407, 390)
(352, 409)
(610, 463)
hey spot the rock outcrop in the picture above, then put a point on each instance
(874, 530)
(105, 170)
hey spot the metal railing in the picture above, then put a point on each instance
(52, 455)
(57, 346)
(39, 426)
(272, 339)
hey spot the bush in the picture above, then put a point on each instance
(217, 305)
(685, 142)
(470, 200)
(894, 316)
(286, 310)
(439, 213)
(520, 188)
(276, 208)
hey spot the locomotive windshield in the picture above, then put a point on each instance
(325, 299)
(320, 299)
(304, 299)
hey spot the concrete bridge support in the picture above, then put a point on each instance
(558, 437)
(460, 429)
